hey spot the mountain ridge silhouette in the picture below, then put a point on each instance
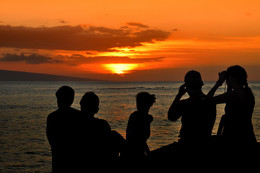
(7, 75)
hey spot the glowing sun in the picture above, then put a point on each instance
(120, 69)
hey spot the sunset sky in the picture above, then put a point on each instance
(129, 40)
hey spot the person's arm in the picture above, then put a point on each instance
(49, 131)
(222, 98)
(221, 125)
(174, 113)
(222, 78)
(146, 149)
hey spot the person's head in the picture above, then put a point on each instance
(236, 76)
(89, 103)
(65, 96)
(144, 101)
(193, 82)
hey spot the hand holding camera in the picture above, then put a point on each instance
(182, 90)
(221, 77)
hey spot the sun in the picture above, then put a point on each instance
(120, 69)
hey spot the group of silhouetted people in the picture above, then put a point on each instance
(77, 137)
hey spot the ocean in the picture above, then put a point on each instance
(24, 107)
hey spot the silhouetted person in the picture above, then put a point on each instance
(198, 112)
(98, 143)
(95, 132)
(61, 129)
(236, 125)
(138, 127)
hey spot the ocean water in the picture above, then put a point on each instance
(24, 107)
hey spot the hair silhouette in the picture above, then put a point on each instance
(193, 79)
(144, 101)
(239, 76)
(65, 96)
(89, 103)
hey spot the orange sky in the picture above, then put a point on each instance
(130, 39)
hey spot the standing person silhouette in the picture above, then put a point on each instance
(198, 112)
(138, 127)
(61, 130)
(236, 125)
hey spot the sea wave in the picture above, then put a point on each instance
(135, 88)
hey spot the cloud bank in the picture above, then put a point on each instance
(80, 37)
(30, 59)
(73, 60)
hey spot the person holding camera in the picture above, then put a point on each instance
(198, 112)
(236, 125)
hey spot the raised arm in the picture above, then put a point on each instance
(174, 110)
(222, 98)
(221, 79)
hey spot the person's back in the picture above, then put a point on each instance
(138, 127)
(198, 117)
(138, 131)
(95, 132)
(239, 109)
(95, 139)
(61, 131)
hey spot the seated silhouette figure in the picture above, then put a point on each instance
(61, 130)
(138, 127)
(197, 113)
(95, 132)
(98, 143)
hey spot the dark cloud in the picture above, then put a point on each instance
(140, 25)
(74, 59)
(80, 59)
(63, 21)
(80, 38)
(77, 59)
(30, 59)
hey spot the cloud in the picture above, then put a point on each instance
(30, 59)
(137, 25)
(80, 59)
(79, 38)
(63, 21)
(74, 59)
(77, 59)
